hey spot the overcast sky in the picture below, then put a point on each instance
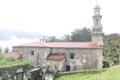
(57, 17)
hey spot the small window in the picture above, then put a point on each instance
(118, 46)
(72, 56)
(32, 52)
(97, 21)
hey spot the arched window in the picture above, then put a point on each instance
(97, 21)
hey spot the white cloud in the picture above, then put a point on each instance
(14, 41)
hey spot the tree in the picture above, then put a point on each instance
(111, 49)
(66, 38)
(81, 35)
(53, 39)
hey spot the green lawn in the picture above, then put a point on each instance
(103, 74)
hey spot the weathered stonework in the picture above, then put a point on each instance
(39, 57)
(83, 58)
(58, 65)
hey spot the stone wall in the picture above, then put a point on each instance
(56, 65)
(83, 58)
(39, 56)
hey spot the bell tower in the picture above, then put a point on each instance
(97, 34)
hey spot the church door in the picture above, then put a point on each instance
(67, 68)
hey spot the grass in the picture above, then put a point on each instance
(8, 62)
(112, 73)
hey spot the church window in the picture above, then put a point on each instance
(71, 55)
(118, 46)
(32, 52)
(97, 21)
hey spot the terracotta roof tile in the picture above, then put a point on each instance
(14, 54)
(56, 57)
(33, 44)
(73, 45)
(61, 44)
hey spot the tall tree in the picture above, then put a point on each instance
(81, 35)
(111, 49)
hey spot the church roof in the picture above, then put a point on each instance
(55, 57)
(61, 44)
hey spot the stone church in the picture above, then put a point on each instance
(67, 56)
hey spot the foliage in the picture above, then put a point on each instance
(81, 35)
(106, 74)
(52, 39)
(78, 35)
(8, 62)
(66, 38)
(111, 49)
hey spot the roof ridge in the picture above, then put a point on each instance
(61, 44)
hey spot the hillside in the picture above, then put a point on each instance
(103, 74)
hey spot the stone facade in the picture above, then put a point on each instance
(83, 58)
(38, 56)
(58, 65)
